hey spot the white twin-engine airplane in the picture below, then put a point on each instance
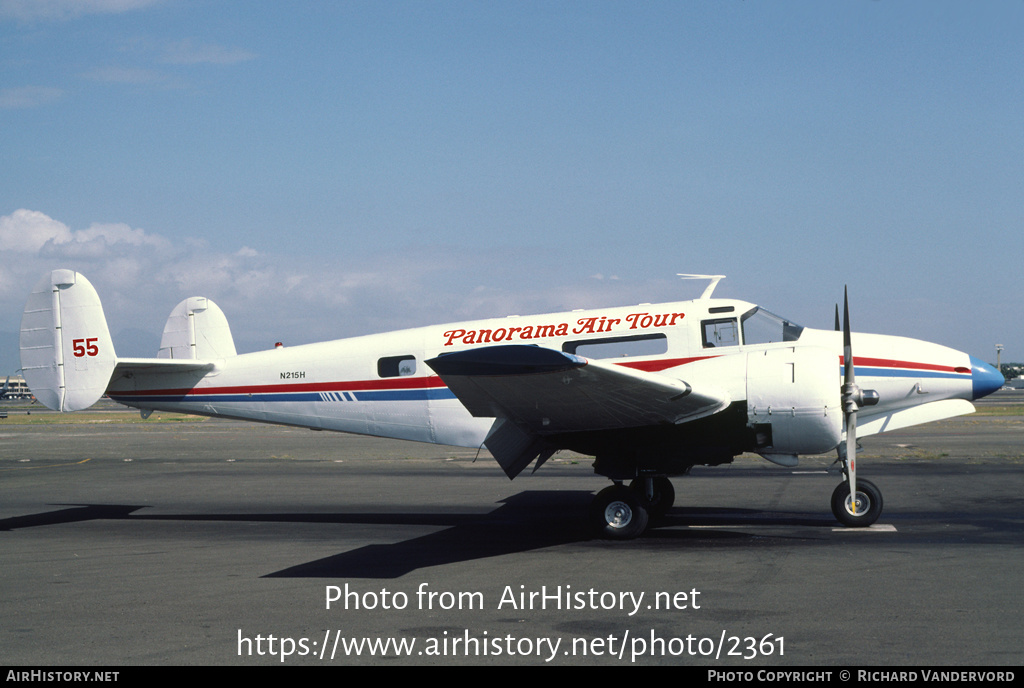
(649, 390)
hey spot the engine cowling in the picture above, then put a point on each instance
(793, 403)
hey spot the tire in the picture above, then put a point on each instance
(869, 506)
(617, 513)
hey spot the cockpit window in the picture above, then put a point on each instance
(720, 332)
(763, 327)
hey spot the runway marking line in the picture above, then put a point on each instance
(877, 528)
(52, 465)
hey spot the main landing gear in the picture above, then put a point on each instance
(623, 513)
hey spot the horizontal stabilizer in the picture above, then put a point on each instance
(145, 376)
(129, 367)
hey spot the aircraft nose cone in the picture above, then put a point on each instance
(985, 378)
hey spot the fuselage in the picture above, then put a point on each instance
(783, 380)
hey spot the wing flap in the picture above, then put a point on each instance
(514, 448)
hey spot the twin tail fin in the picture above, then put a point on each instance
(68, 357)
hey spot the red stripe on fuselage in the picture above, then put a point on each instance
(431, 381)
(912, 365)
(660, 364)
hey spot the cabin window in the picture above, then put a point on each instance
(618, 347)
(396, 366)
(720, 332)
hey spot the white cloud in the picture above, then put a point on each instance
(125, 75)
(27, 10)
(118, 233)
(33, 232)
(187, 52)
(27, 231)
(28, 97)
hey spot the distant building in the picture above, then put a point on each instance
(15, 388)
(1016, 383)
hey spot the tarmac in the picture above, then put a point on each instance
(180, 541)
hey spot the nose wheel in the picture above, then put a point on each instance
(864, 512)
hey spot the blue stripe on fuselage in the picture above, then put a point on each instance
(867, 371)
(370, 395)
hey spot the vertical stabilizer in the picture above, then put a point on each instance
(197, 329)
(67, 355)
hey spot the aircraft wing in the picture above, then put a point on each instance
(535, 392)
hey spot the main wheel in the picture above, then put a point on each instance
(618, 513)
(869, 504)
(664, 495)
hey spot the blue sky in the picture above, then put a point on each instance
(326, 169)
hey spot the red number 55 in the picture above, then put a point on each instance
(85, 347)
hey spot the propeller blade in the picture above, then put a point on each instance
(847, 346)
(839, 327)
(850, 393)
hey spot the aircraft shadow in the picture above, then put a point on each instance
(524, 522)
(77, 513)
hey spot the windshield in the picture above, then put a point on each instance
(763, 327)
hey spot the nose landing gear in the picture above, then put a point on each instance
(867, 509)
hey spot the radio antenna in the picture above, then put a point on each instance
(714, 280)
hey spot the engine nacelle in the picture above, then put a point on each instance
(793, 403)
